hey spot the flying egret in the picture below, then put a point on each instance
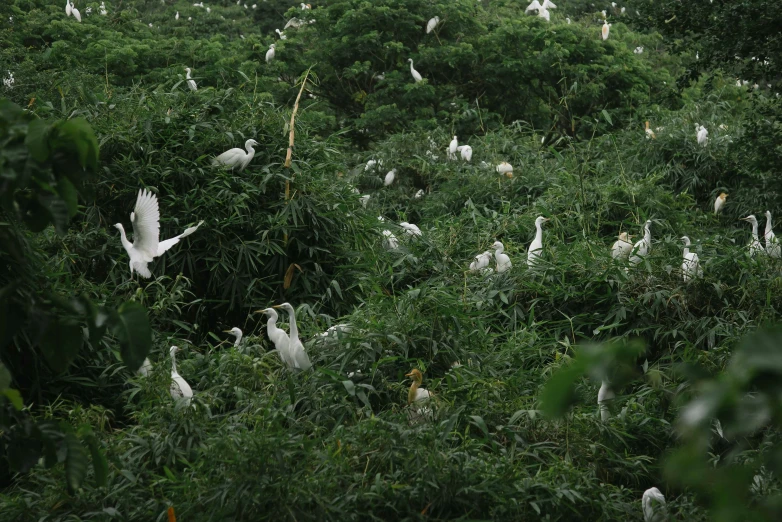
(236, 157)
(432, 24)
(772, 243)
(606, 29)
(281, 34)
(297, 353)
(702, 135)
(622, 247)
(505, 168)
(68, 8)
(653, 505)
(236, 332)
(190, 82)
(481, 262)
(390, 241)
(452, 148)
(411, 229)
(691, 266)
(604, 394)
(502, 259)
(465, 151)
(389, 177)
(755, 246)
(146, 245)
(536, 247)
(642, 246)
(179, 389)
(534, 6)
(719, 203)
(145, 369)
(270, 53)
(416, 75)
(277, 336)
(649, 132)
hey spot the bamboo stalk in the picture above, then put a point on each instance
(291, 139)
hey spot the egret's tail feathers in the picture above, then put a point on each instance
(142, 269)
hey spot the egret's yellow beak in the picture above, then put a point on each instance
(409, 374)
(226, 331)
(260, 311)
(276, 306)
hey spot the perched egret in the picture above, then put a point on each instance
(270, 53)
(649, 132)
(364, 200)
(548, 4)
(533, 6)
(179, 388)
(389, 177)
(236, 332)
(606, 29)
(653, 505)
(416, 75)
(176, 16)
(568, 20)
(638, 50)
(481, 262)
(604, 394)
(544, 13)
(293, 22)
(146, 245)
(642, 246)
(416, 393)
(536, 247)
(411, 229)
(452, 148)
(336, 329)
(703, 135)
(419, 194)
(390, 241)
(372, 163)
(622, 247)
(190, 82)
(502, 259)
(465, 151)
(68, 8)
(505, 168)
(755, 246)
(719, 203)
(432, 24)
(772, 243)
(145, 369)
(299, 356)
(76, 13)
(236, 157)
(277, 336)
(281, 34)
(691, 266)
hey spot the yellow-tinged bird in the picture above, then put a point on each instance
(719, 203)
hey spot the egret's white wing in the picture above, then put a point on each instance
(168, 243)
(146, 225)
(533, 6)
(231, 157)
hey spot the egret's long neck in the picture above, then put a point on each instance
(686, 248)
(755, 230)
(499, 251)
(294, 328)
(412, 393)
(411, 66)
(238, 339)
(125, 243)
(539, 233)
(769, 228)
(647, 235)
(173, 364)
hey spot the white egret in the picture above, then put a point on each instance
(236, 157)
(691, 266)
(179, 389)
(653, 505)
(719, 203)
(604, 394)
(505, 168)
(390, 241)
(432, 24)
(533, 6)
(76, 13)
(638, 50)
(416, 75)
(642, 246)
(176, 16)
(568, 20)
(304, 6)
(622, 247)
(236, 332)
(548, 4)
(145, 369)
(419, 194)
(103, 11)
(481, 262)
(772, 243)
(544, 13)
(536, 247)
(372, 163)
(416, 393)
(755, 246)
(278, 336)
(649, 132)
(190, 82)
(270, 53)
(411, 229)
(389, 177)
(465, 151)
(452, 148)
(297, 353)
(702, 135)
(336, 329)
(146, 245)
(364, 200)
(281, 34)
(502, 259)
(606, 29)
(68, 8)
(293, 22)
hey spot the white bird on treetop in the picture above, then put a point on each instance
(505, 168)
(544, 13)
(416, 75)
(536, 247)
(68, 8)
(703, 135)
(372, 163)
(278, 336)
(179, 388)
(364, 200)
(466, 152)
(390, 241)
(772, 244)
(236, 332)
(281, 34)
(270, 54)
(236, 157)
(411, 229)
(176, 16)
(452, 148)
(755, 246)
(296, 348)
(389, 177)
(481, 262)
(653, 506)
(190, 82)
(76, 13)
(432, 23)
(502, 259)
(548, 4)
(649, 132)
(146, 245)
(691, 266)
(419, 194)
(604, 394)
(719, 203)
(606, 29)
(622, 247)
(642, 246)
(534, 6)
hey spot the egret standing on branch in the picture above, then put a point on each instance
(389, 179)
(536, 247)
(270, 54)
(643, 246)
(179, 388)
(606, 29)
(702, 135)
(604, 394)
(190, 82)
(432, 24)
(465, 151)
(146, 245)
(299, 356)
(653, 506)
(416, 75)
(481, 262)
(452, 148)
(622, 247)
(719, 203)
(755, 247)
(236, 157)
(691, 267)
(68, 8)
(278, 336)
(502, 259)
(772, 244)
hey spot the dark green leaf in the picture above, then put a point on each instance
(131, 326)
(60, 343)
